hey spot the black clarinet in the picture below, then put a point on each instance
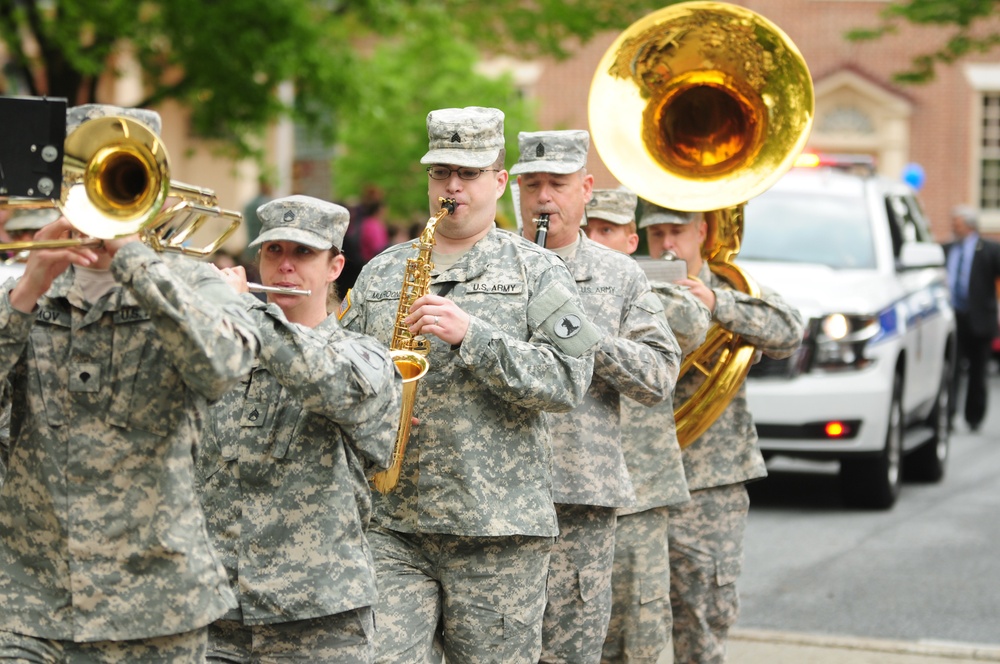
(541, 229)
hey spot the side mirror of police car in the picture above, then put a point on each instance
(920, 255)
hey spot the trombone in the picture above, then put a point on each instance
(116, 182)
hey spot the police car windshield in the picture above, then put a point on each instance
(797, 227)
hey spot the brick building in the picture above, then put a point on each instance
(950, 126)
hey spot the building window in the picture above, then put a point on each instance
(846, 120)
(989, 153)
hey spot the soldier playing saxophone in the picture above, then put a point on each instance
(462, 544)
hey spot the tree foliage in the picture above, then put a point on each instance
(225, 60)
(964, 16)
(397, 86)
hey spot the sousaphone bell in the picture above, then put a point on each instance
(700, 106)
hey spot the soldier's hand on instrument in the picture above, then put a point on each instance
(111, 247)
(433, 314)
(44, 265)
(699, 290)
(235, 276)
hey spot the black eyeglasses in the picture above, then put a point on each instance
(465, 173)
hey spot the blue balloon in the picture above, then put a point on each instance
(913, 175)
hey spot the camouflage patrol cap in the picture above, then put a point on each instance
(560, 152)
(654, 214)
(616, 206)
(310, 221)
(77, 115)
(31, 220)
(470, 136)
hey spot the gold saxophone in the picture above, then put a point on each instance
(408, 352)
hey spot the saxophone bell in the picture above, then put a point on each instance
(541, 229)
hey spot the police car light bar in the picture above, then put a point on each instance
(847, 162)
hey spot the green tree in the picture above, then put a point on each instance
(397, 86)
(969, 34)
(225, 60)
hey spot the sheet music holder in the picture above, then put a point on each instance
(659, 270)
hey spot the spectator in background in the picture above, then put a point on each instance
(973, 268)
(223, 260)
(374, 232)
(367, 236)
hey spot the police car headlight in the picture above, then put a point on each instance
(841, 341)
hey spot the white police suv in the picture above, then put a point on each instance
(870, 385)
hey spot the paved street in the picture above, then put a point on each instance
(824, 584)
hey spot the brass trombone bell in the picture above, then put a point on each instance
(115, 177)
(700, 105)
(116, 182)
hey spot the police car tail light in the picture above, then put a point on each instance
(841, 341)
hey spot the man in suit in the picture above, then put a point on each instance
(973, 268)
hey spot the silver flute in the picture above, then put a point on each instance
(260, 288)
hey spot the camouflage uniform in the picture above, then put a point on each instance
(640, 624)
(283, 471)
(4, 429)
(181, 648)
(706, 534)
(639, 358)
(476, 477)
(101, 534)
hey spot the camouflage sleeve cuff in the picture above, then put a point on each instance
(252, 302)
(131, 259)
(477, 340)
(725, 306)
(15, 324)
